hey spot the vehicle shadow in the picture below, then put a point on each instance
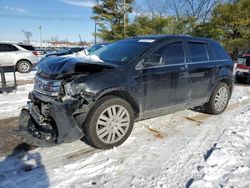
(23, 169)
(246, 83)
(199, 109)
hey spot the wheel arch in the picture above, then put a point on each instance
(229, 82)
(126, 96)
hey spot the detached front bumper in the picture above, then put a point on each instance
(62, 122)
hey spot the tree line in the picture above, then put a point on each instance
(227, 21)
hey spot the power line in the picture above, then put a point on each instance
(49, 11)
(46, 18)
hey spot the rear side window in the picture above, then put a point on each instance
(27, 47)
(218, 52)
(7, 48)
(198, 51)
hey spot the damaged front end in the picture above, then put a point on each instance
(56, 109)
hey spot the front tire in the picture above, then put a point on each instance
(109, 123)
(219, 99)
(23, 66)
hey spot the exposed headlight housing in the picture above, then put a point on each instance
(47, 87)
(73, 89)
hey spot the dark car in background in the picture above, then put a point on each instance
(134, 79)
(243, 68)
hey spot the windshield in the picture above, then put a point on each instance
(122, 51)
(91, 49)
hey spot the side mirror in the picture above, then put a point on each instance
(152, 60)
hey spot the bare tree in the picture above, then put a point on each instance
(27, 35)
(155, 8)
(54, 40)
(199, 10)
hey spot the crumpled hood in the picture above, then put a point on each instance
(62, 66)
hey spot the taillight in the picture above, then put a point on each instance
(241, 66)
(35, 53)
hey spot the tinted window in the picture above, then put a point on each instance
(7, 48)
(27, 47)
(219, 52)
(198, 52)
(174, 53)
(211, 53)
(169, 54)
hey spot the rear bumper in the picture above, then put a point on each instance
(67, 130)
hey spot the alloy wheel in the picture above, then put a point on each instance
(113, 124)
(221, 99)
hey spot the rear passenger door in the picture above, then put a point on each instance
(164, 80)
(200, 72)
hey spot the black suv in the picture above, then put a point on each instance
(133, 79)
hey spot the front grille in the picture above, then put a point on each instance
(47, 87)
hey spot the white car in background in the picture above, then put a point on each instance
(23, 57)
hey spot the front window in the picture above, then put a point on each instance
(170, 54)
(122, 51)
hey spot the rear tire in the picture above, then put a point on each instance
(23, 66)
(109, 123)
(219, 99)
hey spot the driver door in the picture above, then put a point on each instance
(165, 80)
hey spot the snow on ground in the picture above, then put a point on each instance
(11, 103)
(184, 149)
(227, 163)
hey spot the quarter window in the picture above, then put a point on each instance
(198, 52)
(218, 51)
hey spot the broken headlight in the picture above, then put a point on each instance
(73, 89)
(47, 87)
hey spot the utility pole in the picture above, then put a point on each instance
(40, 29)
(125, 7)
(80, 39)
(95, 31)
(97, 2)
(124, 16)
